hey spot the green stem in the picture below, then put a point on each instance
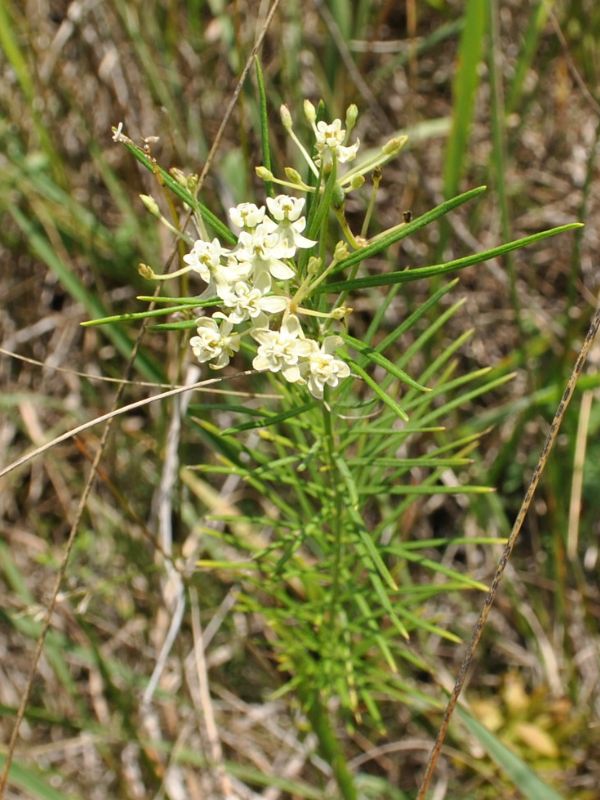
(337, 521)
(329, 746)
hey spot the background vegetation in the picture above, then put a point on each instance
(500, 93)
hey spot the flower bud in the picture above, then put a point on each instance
(342, 312)
(118, 135)
(394, 145)
(150, 204)
(264, 173)
(351, 116)
(310, 112)
(357, 181)
(179, 176)
(293, 175)
(341, 251)
(286, 117)
(314, 265)
(146, 272)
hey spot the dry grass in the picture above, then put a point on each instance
(209, 728)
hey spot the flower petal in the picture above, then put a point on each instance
(280, 270)
(273, 305)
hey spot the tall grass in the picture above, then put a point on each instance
(73, 236)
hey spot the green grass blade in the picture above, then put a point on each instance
(522, 776)
(42, 249)
(9, 38)
(264, 122)
(464, 89)
(34, 783)
(498, 159)
(536, 24)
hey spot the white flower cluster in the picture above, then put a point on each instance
(252, 283)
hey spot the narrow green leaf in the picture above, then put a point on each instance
(417, 461)
(421, 488)
(464, 580)
(377, 358)
(195, 302)
(383, 396)
(181, 325)
(385, 601)
(408, 431)
(387, 238)
(424, 625)
(416, 315)
(359, 525)
(443, 541)
(369, 619)
(324, 205)
(446, 386)
(374, 555)
(408, 274)
(270, 419)
(132, 316)
(182, 193)
(465, 398)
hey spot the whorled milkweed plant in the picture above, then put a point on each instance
(355, 436)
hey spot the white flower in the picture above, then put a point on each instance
(205, 258)
(282, 350)
(265, 251)
(285, 207)
(247, 215)
(234, 271)
(215, 342)
(324, 367)
(250, 302)
(288, 222)
(329, 143)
